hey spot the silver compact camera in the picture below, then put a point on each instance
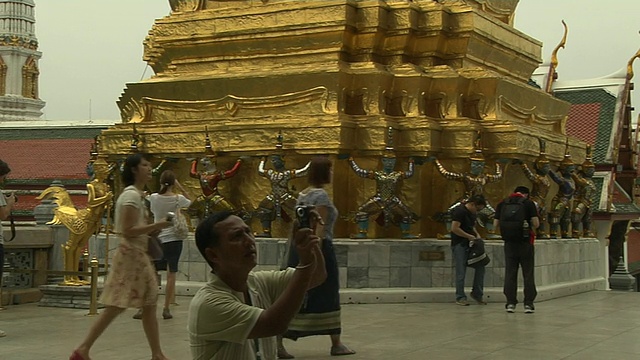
(170, 216)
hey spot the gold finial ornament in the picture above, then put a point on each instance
(553, 75)
(135, 140)
(279, 140)
(542, 158)
(588, 161)
(389, 151)
(566, 161)
(630, 65)
(94, 148)
(477, 152)
(208, 148)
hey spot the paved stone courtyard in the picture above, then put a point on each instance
(594, 325)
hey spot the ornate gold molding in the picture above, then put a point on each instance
(531, 116)
(502, 10)
(435, 105)
(3, 77)
(30, 74)
(19, 41)
(187, 5)
(311, 101)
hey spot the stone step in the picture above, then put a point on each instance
(426, 295)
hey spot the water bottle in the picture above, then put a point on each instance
(525, 230)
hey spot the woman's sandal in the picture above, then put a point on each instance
(284, 354)
(166, 314)
(76, 356)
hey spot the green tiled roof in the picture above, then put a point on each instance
(622, 201)
(598, 194)
(606, 122)
(50, 133)
(634, 267)
(626, 208)
(533, 83)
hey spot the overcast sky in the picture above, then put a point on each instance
(92, 48)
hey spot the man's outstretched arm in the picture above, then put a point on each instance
(275, 320)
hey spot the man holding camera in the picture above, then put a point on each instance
(238, 314)
(6, 204)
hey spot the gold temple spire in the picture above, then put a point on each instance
(630, 65)
(135, 140)
(208, 148)
(477, 151)
(553, 75)
(588, 161)
(566, 161)
(388, 149)
(279, 140)
(542, 158)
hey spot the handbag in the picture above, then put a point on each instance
(180, 227)
(154, 248)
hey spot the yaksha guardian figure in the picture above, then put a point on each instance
(385, 202)
(210, 200)
(474, 183)
(585, 188)
(540, 188)
(281, 201)
(562, 202)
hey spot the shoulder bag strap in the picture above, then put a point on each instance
(13, 228)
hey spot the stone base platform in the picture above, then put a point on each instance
(19, 296)
(75, 297)
(428, 295)
(422, 270)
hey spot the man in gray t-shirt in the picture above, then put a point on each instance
(6, 203)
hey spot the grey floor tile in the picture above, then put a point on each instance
(594, 325)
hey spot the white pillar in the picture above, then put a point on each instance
(603, 227)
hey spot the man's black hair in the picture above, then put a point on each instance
(522, 190)
(4, 168)
(206, 234)
(477, 200)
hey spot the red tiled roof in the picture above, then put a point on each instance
(583, 122)
(46, 158)
(620, 197)
(28, 202)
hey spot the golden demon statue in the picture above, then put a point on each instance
(474, 182)
(83, 223)
(281, 199)
(540, 188)
(210, 200)
(562, 202)
(385, 201)
(585, 188)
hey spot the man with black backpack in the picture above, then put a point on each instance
(517, 218)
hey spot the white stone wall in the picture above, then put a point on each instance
(396, 263)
